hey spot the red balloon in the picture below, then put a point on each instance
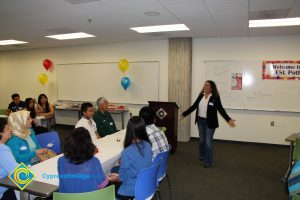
(47, 64)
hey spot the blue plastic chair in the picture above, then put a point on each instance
(145, 186)
(46, 139)
(162, 173)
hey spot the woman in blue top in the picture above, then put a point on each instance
(137, 155)
(79, 171)
(7, 160)
(23, 143)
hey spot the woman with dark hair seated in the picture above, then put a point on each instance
(137, 155)
(79, 171)
(29, 106)
(47, 110)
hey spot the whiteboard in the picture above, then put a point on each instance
(89, 81)
(256, 93)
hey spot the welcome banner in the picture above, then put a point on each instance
(281, 70)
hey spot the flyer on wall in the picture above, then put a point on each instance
(236, 81)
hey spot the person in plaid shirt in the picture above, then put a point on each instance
(156, 135)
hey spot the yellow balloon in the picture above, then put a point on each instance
(123, 65)
(43, 78)
(123, 60)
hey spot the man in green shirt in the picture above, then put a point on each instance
(104, 121)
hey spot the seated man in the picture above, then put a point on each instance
(156, 136)
(103, 119)
(16, 104)
(87, 121)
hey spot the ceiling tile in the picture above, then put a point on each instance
(110, 20)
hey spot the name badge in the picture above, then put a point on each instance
(50, 145)
(211, 103)
(23, 148)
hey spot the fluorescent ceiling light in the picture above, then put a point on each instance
(161, 28)
(275, 22)
(11, 42)
(70, 36)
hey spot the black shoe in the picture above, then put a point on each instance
(201, 159)
(207, 165)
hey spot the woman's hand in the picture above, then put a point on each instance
(38, 109)
(114, 177)
(231, 123)
(96, 150)
(181, 117)
(41, 151)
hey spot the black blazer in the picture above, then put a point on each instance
(214, 105)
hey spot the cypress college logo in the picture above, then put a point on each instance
(22, 176)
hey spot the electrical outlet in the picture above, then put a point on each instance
(272, 123)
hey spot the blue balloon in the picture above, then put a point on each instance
(125, 82)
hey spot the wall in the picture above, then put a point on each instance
(19, 70)
(252, 126)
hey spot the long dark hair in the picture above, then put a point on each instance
(214, 89)
(136, 130)
(79, 147)
(3, 122)
(27, 106)
(47, 109)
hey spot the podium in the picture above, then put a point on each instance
(166, 117)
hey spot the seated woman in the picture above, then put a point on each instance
(29, 106)
(7, 160)
(45, 109)
(23, 143)
(79, 160)
(137, 155)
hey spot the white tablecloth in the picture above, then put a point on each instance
(110, 148)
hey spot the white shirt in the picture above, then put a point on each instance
(202, 109)
(89, 125)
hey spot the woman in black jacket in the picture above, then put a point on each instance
(206, 105)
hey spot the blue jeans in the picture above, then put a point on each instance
(206, 141)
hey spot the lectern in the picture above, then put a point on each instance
(167, 118)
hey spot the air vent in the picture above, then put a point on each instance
(268, 14)
(80, 1)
